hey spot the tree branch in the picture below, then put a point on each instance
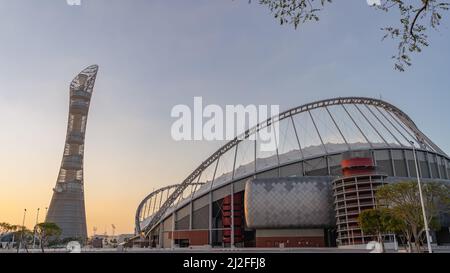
(422, 9)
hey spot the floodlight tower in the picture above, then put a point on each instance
(67, 208)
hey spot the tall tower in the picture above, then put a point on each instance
(67, 205)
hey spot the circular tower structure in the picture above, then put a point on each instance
(67, 208)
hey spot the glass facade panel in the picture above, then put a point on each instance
(200, 202)
(384, 163)
(316, 167)
(269, 174)
(433, 165)
(411, 164)
(441, 163)
(220, 193)
(182, 212)
(448, 168)
(239, 186)
(217, 220)
(200, 219)
(423, 164)
(168, 223)
(182, 224)
(291, 170)
(217, 215)
(335, 164)
(399, 163)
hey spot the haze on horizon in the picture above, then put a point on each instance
(154, 55)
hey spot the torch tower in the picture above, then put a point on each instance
(67, 208)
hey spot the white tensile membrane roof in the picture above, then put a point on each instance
(321, 128)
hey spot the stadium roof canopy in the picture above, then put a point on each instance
(313, 130)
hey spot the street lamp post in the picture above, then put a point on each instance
(23, 230)
(34, 234)
(421, 200)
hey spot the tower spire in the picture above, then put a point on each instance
(67, 208)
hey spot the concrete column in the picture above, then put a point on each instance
(232, 215)
(210, 218)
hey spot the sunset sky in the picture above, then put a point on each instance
(156, 54)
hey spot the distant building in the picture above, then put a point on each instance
(97, 242)
(7, 240)
(107, 241)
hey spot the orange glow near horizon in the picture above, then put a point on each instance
(117, 177)
(118, 173)
(108, 200)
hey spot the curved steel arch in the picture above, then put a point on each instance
(148, 197)
(424, 141)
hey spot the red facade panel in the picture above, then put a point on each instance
(195, 237)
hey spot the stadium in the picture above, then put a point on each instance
(330, 158)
